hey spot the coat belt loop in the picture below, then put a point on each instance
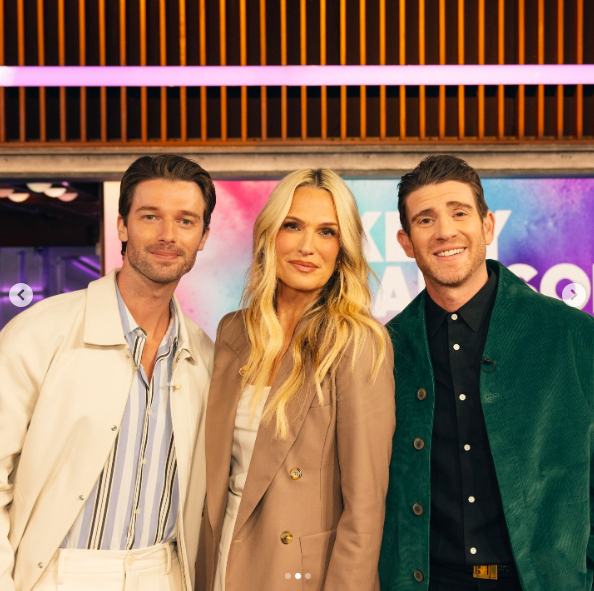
(61, 561)
(168, 550)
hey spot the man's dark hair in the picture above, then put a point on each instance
(170, 167)
(435, 169)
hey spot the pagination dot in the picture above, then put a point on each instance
(307, 575)
(288, 576)
(298, 575)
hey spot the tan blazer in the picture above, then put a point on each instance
(325, 485)
(65, 375)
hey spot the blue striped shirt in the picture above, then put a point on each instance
(135, 501)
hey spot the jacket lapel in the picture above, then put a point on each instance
(225, 392)
(270, 453)
(103, 325)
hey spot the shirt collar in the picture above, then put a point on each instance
(472, 312)
(435, 315)
(133, 332)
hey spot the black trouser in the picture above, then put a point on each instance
(446, 579)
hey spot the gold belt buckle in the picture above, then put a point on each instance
(487, 571)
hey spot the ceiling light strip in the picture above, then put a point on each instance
(431, 75)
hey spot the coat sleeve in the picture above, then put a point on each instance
(590, 548)
(365, 425)
(18, 395)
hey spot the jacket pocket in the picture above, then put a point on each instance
(315, 557)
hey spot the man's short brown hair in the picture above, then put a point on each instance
(170, 167)
(435, 169)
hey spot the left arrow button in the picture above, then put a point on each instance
(20, 295)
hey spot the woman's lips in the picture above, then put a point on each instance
(302, 267)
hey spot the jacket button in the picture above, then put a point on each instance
(422, 394)
(243, 370)
(296, 473)
(40, 565)
(419, 443)
(114, 427)
(286, 537)
(81, 497)
(418, 509)
(419, 576)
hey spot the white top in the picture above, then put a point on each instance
(244, 439)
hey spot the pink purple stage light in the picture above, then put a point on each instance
(431, 75)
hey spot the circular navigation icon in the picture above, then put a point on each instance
(20, 295)
(574, 295)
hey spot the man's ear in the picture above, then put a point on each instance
(122, 229)
(405, 242)
(489, 227)
(204, 238)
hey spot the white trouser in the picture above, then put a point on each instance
(155, 568)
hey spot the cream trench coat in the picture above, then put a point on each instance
(65, 376)
(314, 503)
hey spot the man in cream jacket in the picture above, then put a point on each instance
(102, 401)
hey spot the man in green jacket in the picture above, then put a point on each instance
(490, 478)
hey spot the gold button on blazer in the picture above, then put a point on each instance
(335, 511)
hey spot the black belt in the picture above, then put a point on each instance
(491, 571)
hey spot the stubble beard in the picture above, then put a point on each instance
(454, 277)
(164, 273)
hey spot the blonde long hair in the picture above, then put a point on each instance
(339, 316)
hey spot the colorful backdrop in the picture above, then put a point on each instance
(544, 234)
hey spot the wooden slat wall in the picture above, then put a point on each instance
(242, 32)
(21, 62)
(2, 90)
(501, 60)
(579, 51)
(82, 52)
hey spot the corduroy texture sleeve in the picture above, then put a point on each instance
(590, 548)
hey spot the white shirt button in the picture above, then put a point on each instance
(456, 347)
(473, 550)
(137, 511)
(471, 499)
(462, 396)
(144, 462)
(177, 387)
(454, 316)
(467, 447)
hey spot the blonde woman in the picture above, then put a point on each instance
(300, 416)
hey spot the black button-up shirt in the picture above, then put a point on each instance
(467, 521)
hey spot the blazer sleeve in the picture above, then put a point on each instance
(365, 426)
(18, 396)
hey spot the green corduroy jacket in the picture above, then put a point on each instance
(539, 411)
